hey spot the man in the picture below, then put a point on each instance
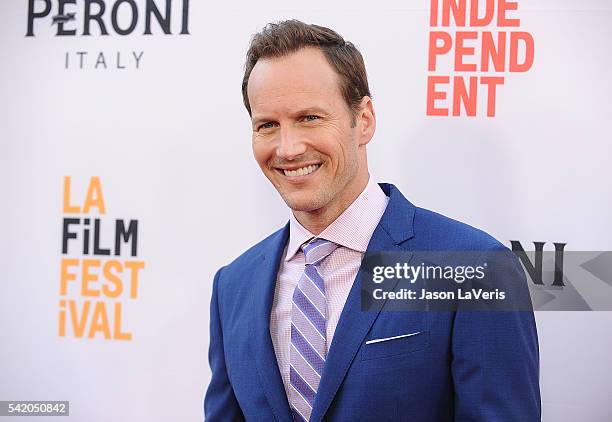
(288, 337)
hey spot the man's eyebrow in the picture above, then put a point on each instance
(257, 120)
(310, 110)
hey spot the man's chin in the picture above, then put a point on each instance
(302, 204)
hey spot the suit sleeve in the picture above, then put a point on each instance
(495, 366)
(220, 403)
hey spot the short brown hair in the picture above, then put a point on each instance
(282, 38)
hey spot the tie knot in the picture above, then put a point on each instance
(317, 250)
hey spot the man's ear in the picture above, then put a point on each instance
(366, 120)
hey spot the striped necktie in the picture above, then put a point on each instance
(308, 331)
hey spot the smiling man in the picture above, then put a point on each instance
(288, 337)
(308, 140)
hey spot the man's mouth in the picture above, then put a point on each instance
(302, 171)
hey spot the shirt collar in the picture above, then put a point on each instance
(352, 229)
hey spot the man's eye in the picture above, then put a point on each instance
(267, 125)
(311, 117)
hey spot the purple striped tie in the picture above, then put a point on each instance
(308, 331)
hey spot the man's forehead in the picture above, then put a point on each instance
(303, 72)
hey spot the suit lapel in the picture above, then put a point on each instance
(261, 306)
(394, 228)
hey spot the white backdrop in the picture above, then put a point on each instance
(170, 142)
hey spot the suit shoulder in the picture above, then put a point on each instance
(251, 256)
(442, 232)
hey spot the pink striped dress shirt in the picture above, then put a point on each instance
(352, 230)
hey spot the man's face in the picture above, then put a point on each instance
(303, 134)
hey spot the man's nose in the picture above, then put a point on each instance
(291, 144)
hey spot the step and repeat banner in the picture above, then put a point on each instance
(127, 177)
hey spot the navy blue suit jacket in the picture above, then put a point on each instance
(463, 366)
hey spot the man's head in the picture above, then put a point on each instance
(307, 93)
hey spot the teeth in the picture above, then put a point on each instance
(301, 171)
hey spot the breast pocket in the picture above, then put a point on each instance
(395, 345)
